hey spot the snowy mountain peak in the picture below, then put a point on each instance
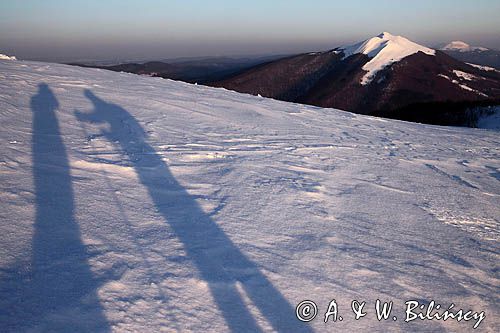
(462, 47)
(384, 49)
(385, 34)
(385, 42)
(6, 57)
(457, 45)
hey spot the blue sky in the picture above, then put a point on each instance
(65, 30)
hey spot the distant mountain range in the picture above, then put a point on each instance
(473, 54)
(193, 70)
(385, 75)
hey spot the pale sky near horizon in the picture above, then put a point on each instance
(70, 30)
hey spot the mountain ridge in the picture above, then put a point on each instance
(377, 76)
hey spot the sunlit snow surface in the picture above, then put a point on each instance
(140, 204)
(384, 50)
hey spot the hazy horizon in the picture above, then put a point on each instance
(152, 29)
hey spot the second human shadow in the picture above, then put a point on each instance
(196, 230)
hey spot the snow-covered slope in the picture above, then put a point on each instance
(384, 49)
(462, 47)
(131, 203)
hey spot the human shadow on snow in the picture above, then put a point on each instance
(56, 290)
(219, 261)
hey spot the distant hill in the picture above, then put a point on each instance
(194, 70)
(460, 46)
(384, 75)
(473, 54)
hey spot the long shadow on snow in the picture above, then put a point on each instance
(56, 291)
(220, 263)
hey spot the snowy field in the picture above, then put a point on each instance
(137, 204)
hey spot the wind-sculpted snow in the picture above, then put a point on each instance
(130, 203)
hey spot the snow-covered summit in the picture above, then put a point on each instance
(462, 47)
(384, 49)
(6, 57)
